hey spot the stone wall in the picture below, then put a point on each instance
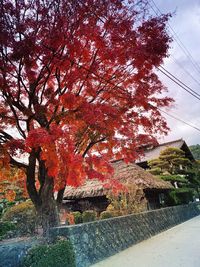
(12, 251)
(97, 240)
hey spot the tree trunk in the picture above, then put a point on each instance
(43, 199)
(47, 211)
(60, 196)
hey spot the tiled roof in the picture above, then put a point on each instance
(123, 173)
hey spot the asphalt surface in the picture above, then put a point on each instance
(176, 247)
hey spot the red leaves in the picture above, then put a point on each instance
(38, 137)
(92, 174)
(15, 146)
(69, 100)
(75, 170)
(157, 42)
(78, 83)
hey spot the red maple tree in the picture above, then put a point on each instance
(78, 88)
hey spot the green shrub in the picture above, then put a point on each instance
(179, 196)
(89, 216)
(4, 205)
(77, 217)
(34, 256)
(5, 228)
(106, 215)
(60, 254)
(24, 215)
(1, 209)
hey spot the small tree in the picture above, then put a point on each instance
(171, 160)
(173, 166)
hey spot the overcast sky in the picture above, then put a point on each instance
(186, 23)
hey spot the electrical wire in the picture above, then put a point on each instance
(117, 86)
(178, 119)
(177, 39)
(162, 111)
(179, 82)
(186, 71)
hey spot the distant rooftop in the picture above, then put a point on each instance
(154, 152)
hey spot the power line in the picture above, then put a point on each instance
(189, 88)
(117, 86)
(186, 51)
(170, 115)
(180, 120)
(177, 39)
(179, 82)
(170, 75)
(186, 71)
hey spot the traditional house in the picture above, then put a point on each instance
(93, 194)
(153, 152)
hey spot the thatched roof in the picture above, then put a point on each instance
(154, 153)
(123, 173)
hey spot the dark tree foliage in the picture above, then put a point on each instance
(195, 149)
(184, 175)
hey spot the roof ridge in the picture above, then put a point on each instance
(170, 142)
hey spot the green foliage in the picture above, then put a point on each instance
(24, 215)
(60, 254)
(5, 228)
(180, 196)
(5, 204)
(180, 171)
(194, 174)
(157, 164)
(106, 215)
(77, 217)
(175, 178)
(155, 171)
(171, 160)
(89, 216)
(195, 149)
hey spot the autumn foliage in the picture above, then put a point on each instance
(78, 88)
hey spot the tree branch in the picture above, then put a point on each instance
(17, 163)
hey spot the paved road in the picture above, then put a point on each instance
(176, 247)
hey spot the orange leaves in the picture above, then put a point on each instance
(98, 168)
(70, 218)
(12, 184)
(10, 195)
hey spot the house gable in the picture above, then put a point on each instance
(153, 153)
